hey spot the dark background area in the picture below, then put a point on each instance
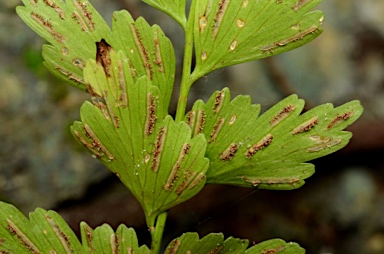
(339, 210)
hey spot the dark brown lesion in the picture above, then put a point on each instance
(174, 175)
(228, 154)
(299, 5)
(264, 142)
(339, 118)
(65, 240)
(151, 115)
(48, 26)
(306, 126)
(115, 243)
(200, 177)
(144, 53)
(216, 250)
(190, 118)
(219, 99)
(91, 91)
(84, 18)
(103, 55)
(56, 8)
(216, 129)
(24, 240)
(200, 122)
(196, 121)
(174, 246)
(95, 144)
(188, 176)
(70, 75)
(89, 235)
(34, 2)
(123, 98)
(158, 148)
(219, 15)
(158, 60)
(285, 112)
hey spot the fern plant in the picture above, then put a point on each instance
(128, 71)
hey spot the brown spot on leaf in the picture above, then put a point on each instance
(219, 99)
(174, 246)
(306, 126)
(85, 16)
(64, 239)
(216, 129)
(177, 167)
(299, 4)
(123, 100)
(78, 62)
(95, 146)
(158, 60)
(188, 177)
(48, 26)
(259, 145)
(142, 50)
(151, 115)
(28, 244)
(158, 148)
(219, 15)
(88, 232)
(200, 177)
(103, 55)
(285, 112)
(56, 8)
(70, 75)
(203, 22)
(228, 154)
(339, 118)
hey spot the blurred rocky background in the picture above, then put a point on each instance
(339, 210)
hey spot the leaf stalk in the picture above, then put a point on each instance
(157, 232)
(186, 79)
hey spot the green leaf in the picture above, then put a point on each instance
(232, 32)
(132, 135)
(268, 151)
(104, 240)
(43, 233)
(174, 8)
(149, 51)
(214, 243)
(47, 232)
(275, 246)
(74, 27)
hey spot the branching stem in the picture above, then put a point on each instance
(157, 232)
(186, 80)
(156, 227)
(186, 83)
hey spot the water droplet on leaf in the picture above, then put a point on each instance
(233, 119)
(64, 50)
(233, 45)
(204, 56)
(295, 27)
(321, 20)
(203, 23)
(147, 157)
(78, 63)
(240, 23)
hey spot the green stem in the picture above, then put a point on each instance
(157, 232)
(186, 81)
